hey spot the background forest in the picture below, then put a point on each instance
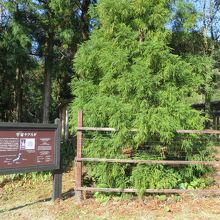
(39, 39)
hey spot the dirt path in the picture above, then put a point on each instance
(31, 200)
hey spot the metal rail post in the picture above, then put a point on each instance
(78, 168)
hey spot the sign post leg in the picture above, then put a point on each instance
(57, 184)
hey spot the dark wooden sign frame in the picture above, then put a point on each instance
(34, 127)
(33, 131)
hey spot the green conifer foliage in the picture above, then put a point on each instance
(128, 77)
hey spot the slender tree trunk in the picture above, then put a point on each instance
(1, 13)
(205, 26)
(211, 18)
(85, 19)
(48, 66)
(208, 109)
(18, 95)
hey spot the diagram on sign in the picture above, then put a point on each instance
(27, 143)
(17, 158)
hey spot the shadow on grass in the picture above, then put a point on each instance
(66, 195)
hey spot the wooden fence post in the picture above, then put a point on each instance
(78, 169)
(57, 174)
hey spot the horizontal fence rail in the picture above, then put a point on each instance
(79, 159)
(166, 191)
(135, 130)
(164, 162)
(198, 131)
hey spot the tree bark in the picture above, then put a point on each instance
(18, 95)
(211, 19)
(205, 26)
(85, 19)
(48, 66)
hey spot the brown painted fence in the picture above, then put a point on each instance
(79, 159)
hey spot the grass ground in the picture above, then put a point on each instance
(21, 200)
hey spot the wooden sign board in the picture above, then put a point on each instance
(26, 147)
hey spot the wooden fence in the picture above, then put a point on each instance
(79, 160)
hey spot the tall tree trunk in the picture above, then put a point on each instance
(1, 14)
(205, 26)
(211, 19)
(48, 66)
(85, 19)
(208, 109)
(18, 95)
